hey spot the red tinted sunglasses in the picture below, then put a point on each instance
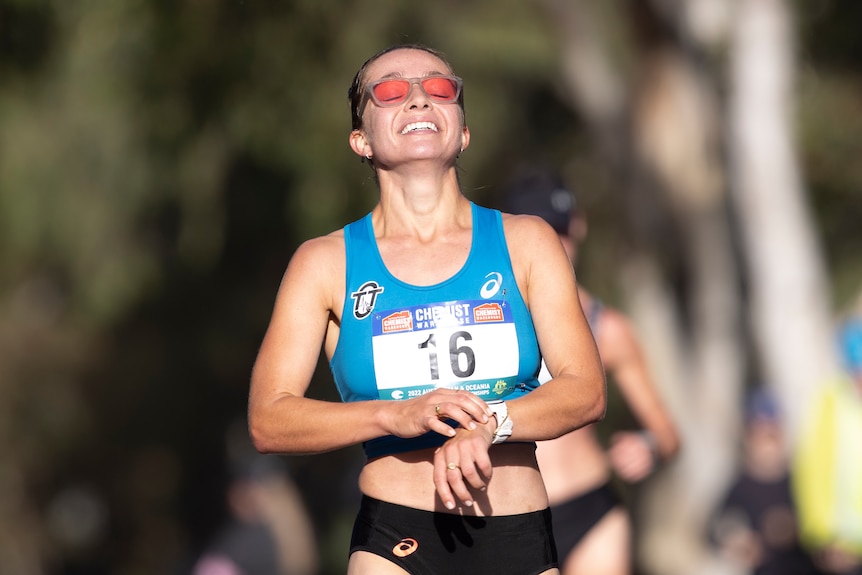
(394, 91)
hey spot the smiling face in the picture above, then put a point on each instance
(420, 127)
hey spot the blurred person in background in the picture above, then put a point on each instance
(431, 311)
(592, 526)
(755, 525)
(827, 463)
(268, 530)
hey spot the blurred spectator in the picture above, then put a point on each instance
(591, 522)
(828, 464)
(269, 531)
(755, 526)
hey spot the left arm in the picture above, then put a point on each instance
(576, 395)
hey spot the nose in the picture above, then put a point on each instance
(416, 95)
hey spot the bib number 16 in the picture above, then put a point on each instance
(462, 359)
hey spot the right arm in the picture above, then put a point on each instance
(634, 454)
(281, 419)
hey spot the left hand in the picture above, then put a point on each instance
(463, 463)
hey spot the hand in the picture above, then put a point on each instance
(631, 455)
(463, 463)
(414, 417)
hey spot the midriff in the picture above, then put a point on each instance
(515, 487)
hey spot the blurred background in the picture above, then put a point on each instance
(160, 161)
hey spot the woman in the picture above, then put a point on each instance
(592, 526)
(451, 472)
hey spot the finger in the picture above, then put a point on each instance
(466, 409)
(445, 415)
(478, 472)
(448, 477)
(475, 406)
(458, 488)
(473, 468)
(441, 482)
(434, 423)
(454, 402)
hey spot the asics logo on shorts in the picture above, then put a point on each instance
(405, 547)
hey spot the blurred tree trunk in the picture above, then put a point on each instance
(789, 297)
(675, 125)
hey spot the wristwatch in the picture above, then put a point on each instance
(504, 423)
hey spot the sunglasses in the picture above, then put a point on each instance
(394, 91)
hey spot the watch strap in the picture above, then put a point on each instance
(504, 422)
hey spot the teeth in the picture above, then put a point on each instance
(419, 126)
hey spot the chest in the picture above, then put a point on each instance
(425, 263)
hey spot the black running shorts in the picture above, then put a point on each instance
(431, 543)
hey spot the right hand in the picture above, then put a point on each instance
(631, 456)
(417, 416)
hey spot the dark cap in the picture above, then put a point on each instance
(762, 405)
(542, 193)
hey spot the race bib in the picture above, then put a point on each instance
(469, 345)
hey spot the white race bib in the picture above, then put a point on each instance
(469, 345)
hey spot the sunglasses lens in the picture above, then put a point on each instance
(391, 91)
(441, 89)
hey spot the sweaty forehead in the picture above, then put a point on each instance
(406, 63)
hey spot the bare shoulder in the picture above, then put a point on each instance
(616, 337)
(543, 271)
(320, 254)
(520, 226)
(529, 237)
(317, 269)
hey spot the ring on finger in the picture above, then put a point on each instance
(452, 466)
(437, 409)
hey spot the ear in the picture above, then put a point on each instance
(359, 143)
(465, 138)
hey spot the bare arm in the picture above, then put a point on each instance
(576, 394)
(306, 311)
(634, 454)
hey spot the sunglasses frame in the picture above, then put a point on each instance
(369, 90)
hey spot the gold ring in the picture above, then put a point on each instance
(437, 409)
(453, 466)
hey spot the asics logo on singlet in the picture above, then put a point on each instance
(492, 286)
(364, 299)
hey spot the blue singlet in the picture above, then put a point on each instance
(399, 341)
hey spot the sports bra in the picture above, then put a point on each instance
(398, 341)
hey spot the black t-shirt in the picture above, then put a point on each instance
(767, 509)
